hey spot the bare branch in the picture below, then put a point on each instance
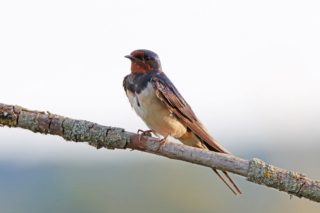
(99, 136)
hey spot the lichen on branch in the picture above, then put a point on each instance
(99, 136)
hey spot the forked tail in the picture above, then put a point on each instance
(235, 189)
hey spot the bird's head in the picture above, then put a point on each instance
(144, 61)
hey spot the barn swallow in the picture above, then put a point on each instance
(156, 100)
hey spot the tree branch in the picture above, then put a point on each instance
(99, 136)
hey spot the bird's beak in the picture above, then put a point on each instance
(130, 57)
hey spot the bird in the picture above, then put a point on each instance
(163, 109)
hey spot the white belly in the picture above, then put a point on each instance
(155, 114)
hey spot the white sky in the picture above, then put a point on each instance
(249, 69)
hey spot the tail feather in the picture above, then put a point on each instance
(231, 181)
(189, 138)
(227, 184)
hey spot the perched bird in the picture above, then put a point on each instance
(156, 100)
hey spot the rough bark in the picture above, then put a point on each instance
(99, 136)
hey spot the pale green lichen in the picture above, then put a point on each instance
(97, 135)
(67, 126)
(116, 138)
(26, 121)
(292, 182)
(262, 173)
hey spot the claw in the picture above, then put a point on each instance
(162, 142)
(144, 133)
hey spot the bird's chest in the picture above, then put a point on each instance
(146, 104)
(154, 112)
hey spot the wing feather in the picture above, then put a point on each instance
(170, 96)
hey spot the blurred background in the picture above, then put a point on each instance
(249, 69)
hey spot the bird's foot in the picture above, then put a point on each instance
(141, 133)
(162, 142)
